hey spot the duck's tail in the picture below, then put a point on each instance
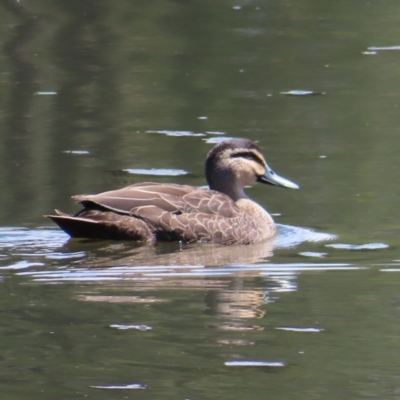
(95, 224)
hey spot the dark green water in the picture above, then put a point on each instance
(95, 95)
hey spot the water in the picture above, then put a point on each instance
(98, 95)
(87, 315)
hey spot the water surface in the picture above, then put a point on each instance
(98, 95)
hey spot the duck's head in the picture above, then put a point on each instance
(235, 163)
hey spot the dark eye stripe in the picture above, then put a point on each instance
(249, 155)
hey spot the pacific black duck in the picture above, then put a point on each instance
(156, 211)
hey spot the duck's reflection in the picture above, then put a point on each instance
(234, 307)
(235, 303)
(236, 283)
(196, 267)
(169, 255)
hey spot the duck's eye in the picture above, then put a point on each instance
(248, 156)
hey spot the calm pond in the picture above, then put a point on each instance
(96, 95)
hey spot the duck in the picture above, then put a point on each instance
(150, 212)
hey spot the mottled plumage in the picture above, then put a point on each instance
(152, 211)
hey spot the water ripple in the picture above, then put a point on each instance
(177, 133)
(367, 246)
(156, 171)
(31, 239)
(269, 364)
(29, 252)
(126, 327)
(385, 48)
(301, 93)
(158, 273)
(306, 330)
(123, 387)
(217, 139)
(291, 236)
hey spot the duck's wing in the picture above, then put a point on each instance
(167, 197)
(210, 202)
(110, 215)
(162, 211)
(206, 215)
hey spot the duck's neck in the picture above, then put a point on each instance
(235, 193)
(229, 182)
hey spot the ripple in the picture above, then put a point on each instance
(390, 270)
(291, 236)
(269, 364)
(367, 246)
(279, 274)
(22, 265)
(64, 256)
(122, 299)
(313, 254)
(238, 327)
(177, 133)
(298, 267)
(127, 327)
(38, 245)
(301, 93)
(155, 171)
(385, 48)
(79, 152)
(145, 266)
(236, 342)
(306, 330)
(132, 386)
(46, 93)
(215, 140)
(23, 239)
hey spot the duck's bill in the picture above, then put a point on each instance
(271, 178)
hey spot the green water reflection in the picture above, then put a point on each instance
(56, 342)
(115, 74)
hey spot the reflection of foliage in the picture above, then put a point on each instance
(17, 105)
(113, 67)
(123, 68)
